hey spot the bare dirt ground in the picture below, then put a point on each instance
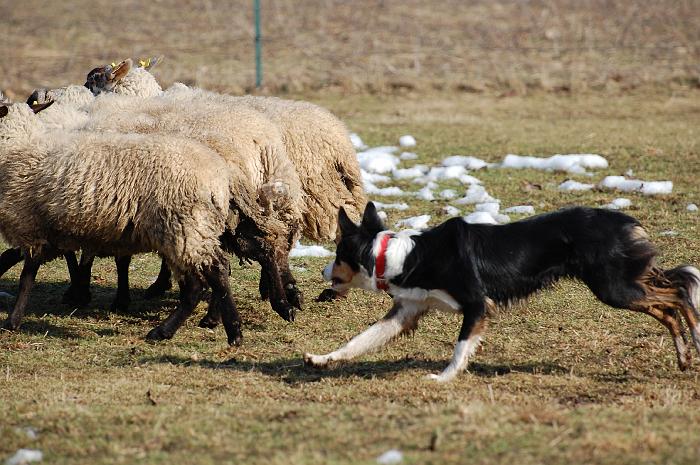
(562, 379)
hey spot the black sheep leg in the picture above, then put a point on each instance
(78, 293)
(222, 301)
(122, 299)
(190, 293)
(162, 283)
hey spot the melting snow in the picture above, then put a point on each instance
(373, 177)
(425, 194)
(491, 208)
(378, 159)
(408, 156)
(521, 210)
(572, 185)
(391, 206)
(692, 207)
(475, 194)
(440, 173)
(415, 222)
(301, 250)
(470, 163)
(390, 457)
(357, 142)
(574, 163)
(450, 210)
(407, 173)
(480, 218)
(448, 194)
(636, 185)
(618, 204)
(407, 141)
(25, 456)
(371, 189)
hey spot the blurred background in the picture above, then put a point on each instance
(359, 46)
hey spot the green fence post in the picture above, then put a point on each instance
(258, 45)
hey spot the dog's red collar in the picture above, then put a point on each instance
(380, 263)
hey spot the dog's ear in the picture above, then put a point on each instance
(41, 106)
(345, 223)
(4, 111)
(371, 220)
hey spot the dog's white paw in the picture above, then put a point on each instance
(441, 378)
(315, 360)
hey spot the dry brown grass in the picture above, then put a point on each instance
(563, 379)
(360, 46)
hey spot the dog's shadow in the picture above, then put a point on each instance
(294, 371)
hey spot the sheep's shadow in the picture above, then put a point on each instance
(46, 298)
(294, 371)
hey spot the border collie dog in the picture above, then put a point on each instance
(472, 268)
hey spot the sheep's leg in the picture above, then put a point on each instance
(190, 293)
(213, 317)
(162, 283)
(278, 297)
(222, 300)
(9, 258)
(32, 262)
(122, 299)
(294, 296)
(264, 285)
(78, 293)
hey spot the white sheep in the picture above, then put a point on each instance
(118, 194)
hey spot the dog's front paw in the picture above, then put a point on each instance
(441, 378)
(317, 361)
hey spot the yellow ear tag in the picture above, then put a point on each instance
(113, 64)
(35, 103)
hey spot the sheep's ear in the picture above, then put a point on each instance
(121, 70)
(345, 223)
(370, 220)
(4, 111)
(41, 106)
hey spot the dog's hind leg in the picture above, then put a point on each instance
(402, 317)
(473, 325)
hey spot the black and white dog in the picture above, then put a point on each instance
(471, 268)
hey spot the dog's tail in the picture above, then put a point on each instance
(687, 278)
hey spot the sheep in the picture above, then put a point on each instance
(318, 145)
(244, 137)
(120, 194)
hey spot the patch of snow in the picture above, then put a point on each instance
(629, 173)
(692, 207)
(491, 208)
(618, 204)
(357, 141)
(475, 194)
(414, 222)
(371, 189)
(521, 210)
(301, 250)
(669, 232)
(573, 163)
(450, 210)
(390, 457)
(382, 215)
(23, 456)
(441, 173)
(27, 431)
(636, 185)
(425, 194)
(407, 141)
(298, 269)
(408, 156)
(470, 163)
(378, 159)
(571, 185)
(373, 177)
(407, 173)
(448, 194)
(390, 206)
(480, 218)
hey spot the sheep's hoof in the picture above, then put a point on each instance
(157, 289)
(209, 321)
(9, 326)
(286, 311)
(294, 296)
(76, 297)
(327, 295)
(236, 339)
(158, 334)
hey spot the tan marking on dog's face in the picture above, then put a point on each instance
(341, 276)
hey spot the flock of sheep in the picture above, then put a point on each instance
(119, 166)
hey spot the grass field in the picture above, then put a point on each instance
(563, 379)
